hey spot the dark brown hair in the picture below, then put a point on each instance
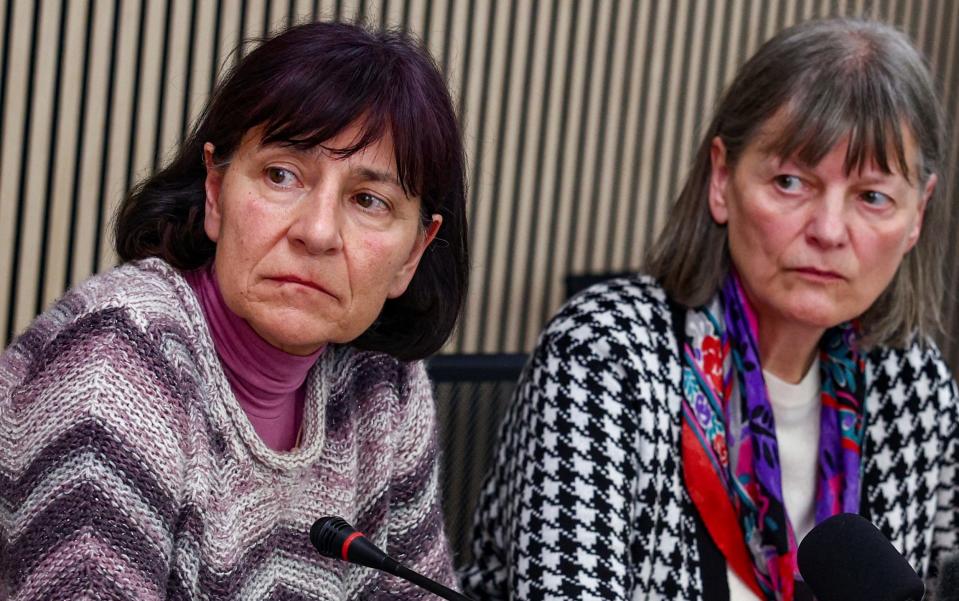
(303, 87)
(828, 79)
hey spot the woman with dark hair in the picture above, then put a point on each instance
(172, 428)
(676, 434)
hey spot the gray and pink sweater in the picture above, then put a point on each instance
(129, 471)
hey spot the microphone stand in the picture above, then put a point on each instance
(335, 538)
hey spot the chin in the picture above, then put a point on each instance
(294, 339)
(817, 315)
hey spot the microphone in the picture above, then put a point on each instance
(948, 587)
(846, 558)
(334, 537)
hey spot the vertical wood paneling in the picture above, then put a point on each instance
(580, 120)
(586, 150)
(654, 117)
(102, 200)
(75, 193)
(543, 178)
(947, 68)
(56, 194)
(516, 216)
(675, 72)
(36, 99)
(496, 201)
(690, 93)
(476, 95)
(122, 122)
(605, 195)
(578, 54)
(624, 139)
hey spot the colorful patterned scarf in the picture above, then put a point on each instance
(730, 457)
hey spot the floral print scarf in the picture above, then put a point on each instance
(730, 456)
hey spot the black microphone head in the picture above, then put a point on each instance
(335, 537)
(328, 535)
(846, 558)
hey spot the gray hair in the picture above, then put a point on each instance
(831, 78)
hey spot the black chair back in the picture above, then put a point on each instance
(472, 393)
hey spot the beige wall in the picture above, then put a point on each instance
(580, 118)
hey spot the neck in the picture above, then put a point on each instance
(268, 384)
(786, 350)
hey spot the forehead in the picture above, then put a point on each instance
(343, 146)
(790, 135)
(375, 161)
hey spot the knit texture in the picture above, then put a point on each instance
(129, 471)
(586, 500)
(268, 382)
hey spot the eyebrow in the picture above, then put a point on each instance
(868, 175)
(376, 175)
(386, 177)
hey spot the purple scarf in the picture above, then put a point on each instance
(723, 388)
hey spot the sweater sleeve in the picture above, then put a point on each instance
(417, 536)
(90, 465)
(555, 516)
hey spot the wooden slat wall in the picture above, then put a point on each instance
(580, 119)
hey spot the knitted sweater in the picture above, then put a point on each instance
(129, 471)
(586, 500)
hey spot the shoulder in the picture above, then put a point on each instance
(89, 377)
(610, 349)
(147, 293)
(371, 369)
(128, 327)
(624, 318)
(150, 291)
(371, 381)
(911, 410)
(617, 302)
(911, 378)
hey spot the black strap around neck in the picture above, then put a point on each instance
(712, 564)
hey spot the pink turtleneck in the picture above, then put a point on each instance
(268, 383)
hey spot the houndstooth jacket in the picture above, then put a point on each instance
(586, 499)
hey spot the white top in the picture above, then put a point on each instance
(796, 414)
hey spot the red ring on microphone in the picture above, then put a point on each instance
(346, 544)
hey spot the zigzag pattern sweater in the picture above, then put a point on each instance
(586, 500)
(129, 471)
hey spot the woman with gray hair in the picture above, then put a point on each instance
(676, 434)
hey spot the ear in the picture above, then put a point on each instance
(927, 191)
(403, 277)
(718, 181)
(213, 213)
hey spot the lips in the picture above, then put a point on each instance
(293, 279)
(819, 273)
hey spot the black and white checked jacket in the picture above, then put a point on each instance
(586, 500)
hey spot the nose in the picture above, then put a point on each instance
(827, 226)
(317, 223)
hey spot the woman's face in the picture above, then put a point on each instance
(813, 245)
(309, 245)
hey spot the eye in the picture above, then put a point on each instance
(788, 183)
(280, 176)
(370, 202)
(875, 199)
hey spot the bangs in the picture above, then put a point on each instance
(314, 121)
(310, 105)
(821, 113)
(312, 82)
(307, 129)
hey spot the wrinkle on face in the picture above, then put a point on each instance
(817, 254)
(312, 259)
